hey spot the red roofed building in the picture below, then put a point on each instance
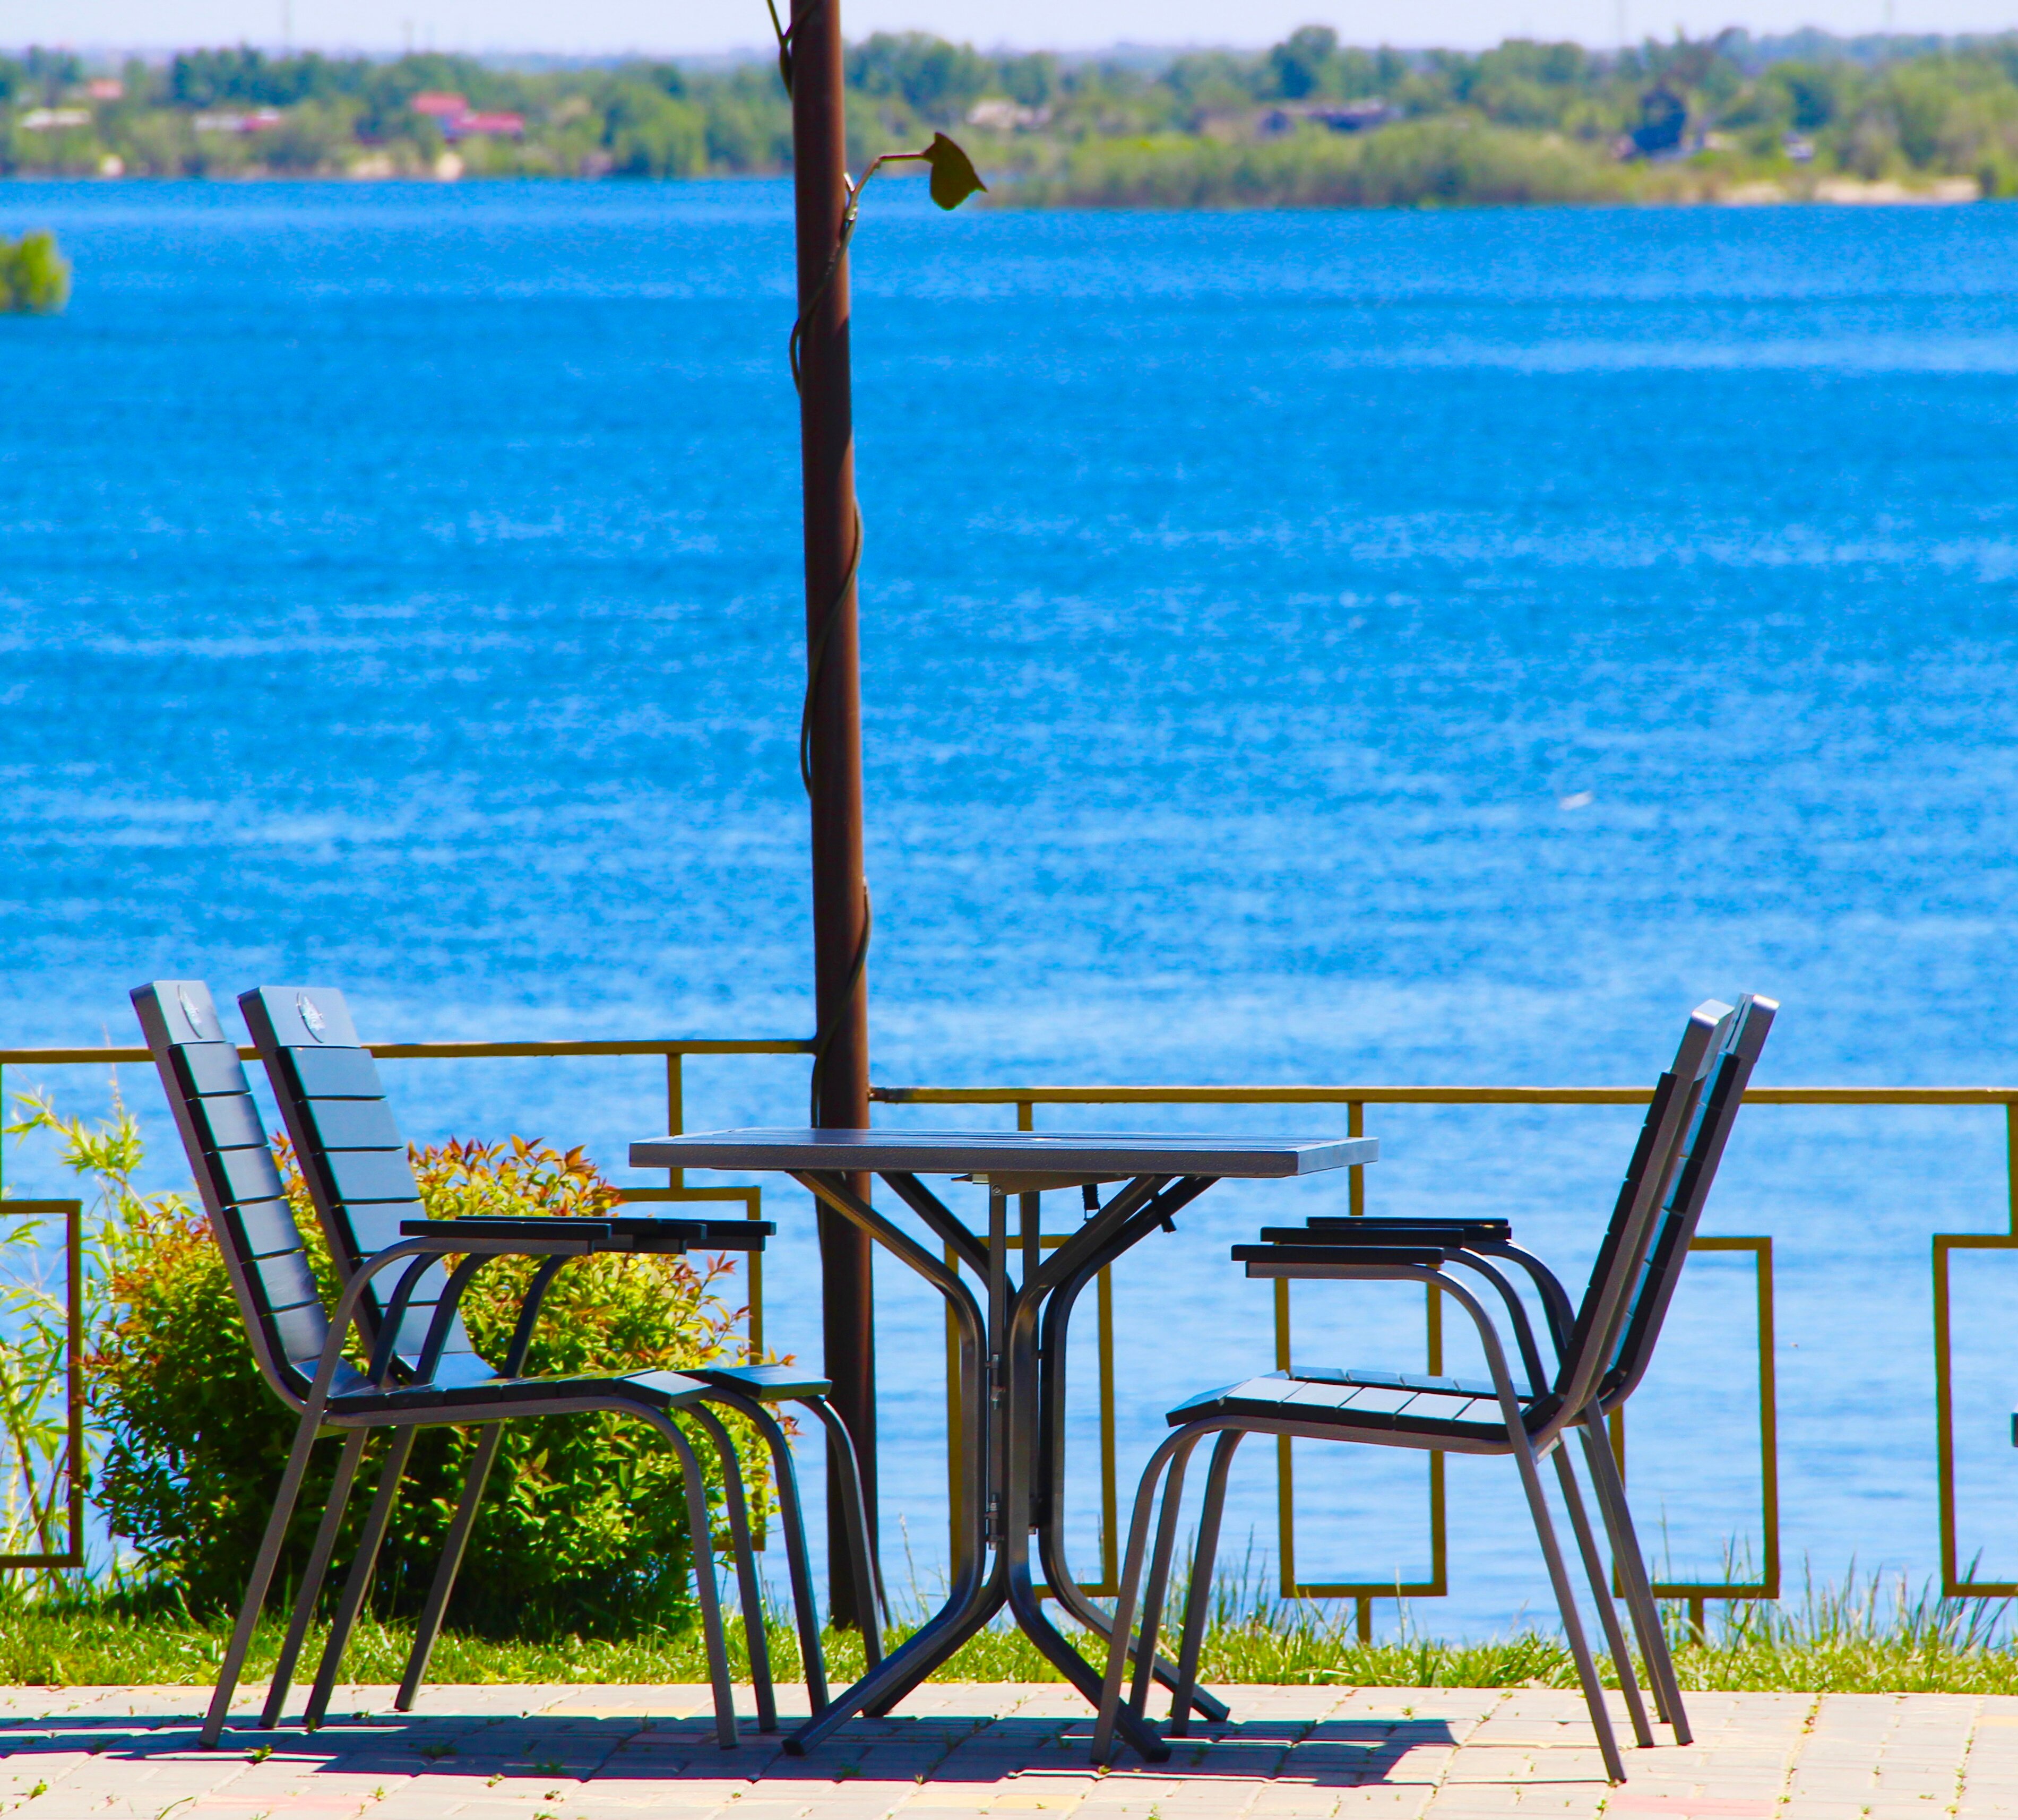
(438, 106)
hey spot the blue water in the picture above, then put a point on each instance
(1394, 647)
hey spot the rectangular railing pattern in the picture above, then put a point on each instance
(64, 1463)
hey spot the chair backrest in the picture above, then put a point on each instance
(353, 1157)
(240, 1186)
(1604, 1314)
(1742, 1038)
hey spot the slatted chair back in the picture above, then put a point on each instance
(353, 1158)
(264, 1253)
(1741, 1037)
(1602, 1317)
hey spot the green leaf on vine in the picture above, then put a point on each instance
(954, 178)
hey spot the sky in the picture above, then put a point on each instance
(601, 28)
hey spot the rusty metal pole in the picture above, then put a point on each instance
(840, 895)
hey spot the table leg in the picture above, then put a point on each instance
(946, 1639)
(1002, 1514)
(976, 1592)
(881, 1689)
(1001, 1387)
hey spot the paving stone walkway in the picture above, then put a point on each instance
(950, 1753)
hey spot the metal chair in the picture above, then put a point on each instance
(1602, 1349)
(353, 1160)
(298, 1345)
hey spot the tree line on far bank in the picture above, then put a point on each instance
(1306, 120)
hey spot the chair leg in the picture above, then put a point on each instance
(713, 1636)
(1118, 1652)
(1618, 1516)
(869, 1596)
(453, 1547)
(750, 1587)
(1545, 1533)
(1198, 1602)
(312, 1577)
(258, 1581)
(1600, 1590)
(805, 1606)
(1156, 1589)
(359, 1581)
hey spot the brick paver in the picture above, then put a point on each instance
(955, 1752)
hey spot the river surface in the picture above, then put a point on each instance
(1394, 648)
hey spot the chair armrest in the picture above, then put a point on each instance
(651, 1232)
(657, 1232)
(1555, 1298)
(409, 1251)
(1332, 1257)
(649, 1235)
(738, 1235)
(1377, 1262)
(1333, 1229)
(496, 1237)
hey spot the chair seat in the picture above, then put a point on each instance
(768, 1383)
(1326, 1397)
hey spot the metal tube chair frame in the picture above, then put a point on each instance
(298, 1345)
(1602, 1353)
(353, 1160)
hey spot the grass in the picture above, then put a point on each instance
(1858, 1636)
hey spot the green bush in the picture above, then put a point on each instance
(35, 277)
(584, 1527)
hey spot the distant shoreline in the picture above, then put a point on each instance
(1309, 123)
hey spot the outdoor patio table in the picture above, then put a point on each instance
(1012, 1351)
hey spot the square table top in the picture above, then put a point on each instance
(1102, 1155)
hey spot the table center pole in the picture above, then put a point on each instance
(998, 1364)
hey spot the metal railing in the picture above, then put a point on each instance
(1355, 1099)
(675, 1050)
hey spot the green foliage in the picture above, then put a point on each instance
(933, 78)
(650, 134)
(584, 1527)
(34, 276)
(1854, 1637)
(1447, 162)
(217, 77)
(1304, 64)
(1792, 112)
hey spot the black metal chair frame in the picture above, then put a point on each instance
(298, 1345)
(1602, 1351)
(304, 1032)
